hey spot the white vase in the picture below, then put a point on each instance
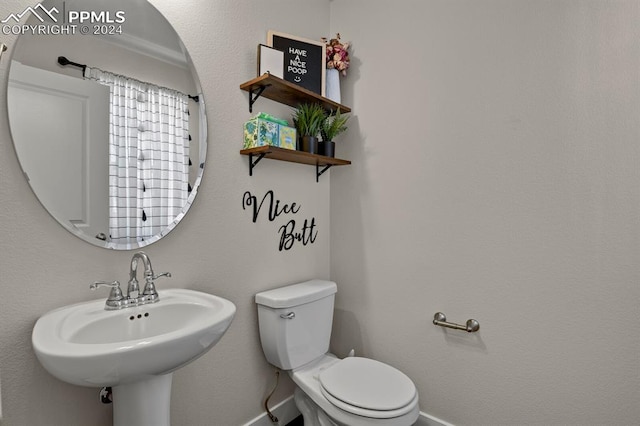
(332, 90)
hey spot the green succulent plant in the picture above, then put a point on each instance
(308, 119)
(333, 125)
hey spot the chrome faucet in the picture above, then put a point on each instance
(133, 289)
(134, 298)
(149, 294)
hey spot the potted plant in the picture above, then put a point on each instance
(332, 126)
(308, 120)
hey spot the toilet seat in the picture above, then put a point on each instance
(368, 388)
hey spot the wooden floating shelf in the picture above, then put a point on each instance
(292, 156)
(287, 93)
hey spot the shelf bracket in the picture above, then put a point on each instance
(252, 163)
(258, 93)
(320, 172)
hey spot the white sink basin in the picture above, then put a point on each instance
(86, 345)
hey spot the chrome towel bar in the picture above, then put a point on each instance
(440, 319)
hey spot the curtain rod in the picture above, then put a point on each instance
(64, 62)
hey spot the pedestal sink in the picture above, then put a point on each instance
(134, 350)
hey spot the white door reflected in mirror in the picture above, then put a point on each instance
(68, 171)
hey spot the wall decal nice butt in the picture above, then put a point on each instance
(291, 232)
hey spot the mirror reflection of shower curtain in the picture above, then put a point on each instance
(148, 156)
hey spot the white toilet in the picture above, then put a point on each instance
(295, 328)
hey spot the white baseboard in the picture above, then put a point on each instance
(286, 411)
(429, 420)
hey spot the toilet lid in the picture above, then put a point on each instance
(368, 384)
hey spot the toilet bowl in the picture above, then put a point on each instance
(355, 392)
(295, 327)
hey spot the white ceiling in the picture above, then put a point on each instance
(144, 30)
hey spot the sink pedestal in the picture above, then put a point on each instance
(143, 403)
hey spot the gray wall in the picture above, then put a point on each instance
(496, 176)
(216, 249)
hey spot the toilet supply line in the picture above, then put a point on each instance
(272, 416)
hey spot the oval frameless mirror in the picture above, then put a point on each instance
(107, 118)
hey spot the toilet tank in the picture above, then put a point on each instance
(295, 322)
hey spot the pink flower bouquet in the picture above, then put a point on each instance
(337, 54)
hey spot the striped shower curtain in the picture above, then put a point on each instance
(148, 156)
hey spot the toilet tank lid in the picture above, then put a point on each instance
(296, 294)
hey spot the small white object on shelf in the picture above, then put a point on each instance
(270, 61)
(333, 85)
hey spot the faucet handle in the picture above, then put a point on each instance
(116, 292)
(164, 274)
(150, 292)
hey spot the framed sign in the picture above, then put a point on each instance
(304, 60)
